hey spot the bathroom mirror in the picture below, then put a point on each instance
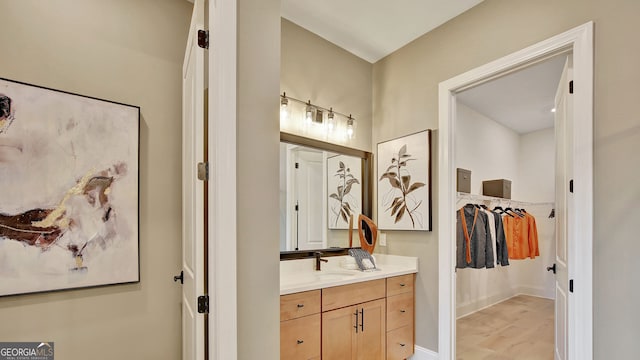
(321, 184)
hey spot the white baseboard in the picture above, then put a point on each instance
(424, 354)
(534, 291)
(469, 308)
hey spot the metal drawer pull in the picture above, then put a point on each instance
(401, 284)
(301, 341)
(403, 311)
(401, 344)
(300, 305)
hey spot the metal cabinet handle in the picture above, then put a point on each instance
(362, 321)
(403, 311)
(300, 342)
(401, 284)
(401, 344)
(300, 305)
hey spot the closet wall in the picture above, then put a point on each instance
(492, 151)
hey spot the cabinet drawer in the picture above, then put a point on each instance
(400, 343)
(399, 284)
(300, 338)
(400, 311)
(299, 304)
(346, 295)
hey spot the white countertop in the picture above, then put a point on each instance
(300, 275)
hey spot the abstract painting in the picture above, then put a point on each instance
(404, 183)
(344, 184)
(68, 190)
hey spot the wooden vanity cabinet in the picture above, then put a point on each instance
(372, 320)
(400, 317)
(354, 321)
(300, 324)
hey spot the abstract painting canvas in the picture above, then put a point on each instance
(344, 185)
(404, 183)
(68, 190)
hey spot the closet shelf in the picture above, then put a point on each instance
(474, 197)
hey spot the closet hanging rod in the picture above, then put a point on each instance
(473, 197)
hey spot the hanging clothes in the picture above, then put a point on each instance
(521, 236)
(474, 247)
(502, 257)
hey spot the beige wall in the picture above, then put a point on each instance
(314, 69)
(406, 100)
(257, 182)
(129, 52)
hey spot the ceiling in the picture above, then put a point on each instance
(372, 29)
(521, 100)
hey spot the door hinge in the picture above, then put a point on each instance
(203, 304)
(297, 165)
(203, 171)
(203, 39)
(571, 285)
(571, 185)
(571, 87)
(297, 207)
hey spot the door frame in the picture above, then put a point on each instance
(222, 221)
(579, 41)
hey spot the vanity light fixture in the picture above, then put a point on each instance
(333, 126)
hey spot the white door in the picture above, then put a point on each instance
(193, 200)
(310, 214)
(564, 208)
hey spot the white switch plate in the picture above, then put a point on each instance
(383, 238)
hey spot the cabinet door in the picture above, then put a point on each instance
(370, 339)
(339, 333)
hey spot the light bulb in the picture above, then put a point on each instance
(284, 108)
(350, 127)
(309, 113)
(331, 121)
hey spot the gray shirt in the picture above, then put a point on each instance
(481, 247)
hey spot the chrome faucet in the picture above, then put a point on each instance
(318, 254)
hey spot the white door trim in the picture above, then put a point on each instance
(223, 339)
(580, 41)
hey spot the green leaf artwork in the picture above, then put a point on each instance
(399, 201)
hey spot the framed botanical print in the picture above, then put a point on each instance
(404, 183)
(344, 189)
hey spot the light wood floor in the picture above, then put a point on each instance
(520, 328)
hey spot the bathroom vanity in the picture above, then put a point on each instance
(347, 314)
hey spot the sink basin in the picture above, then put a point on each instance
(334, 275)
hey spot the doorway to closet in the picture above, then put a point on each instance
(574, 278)
(505, 129)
